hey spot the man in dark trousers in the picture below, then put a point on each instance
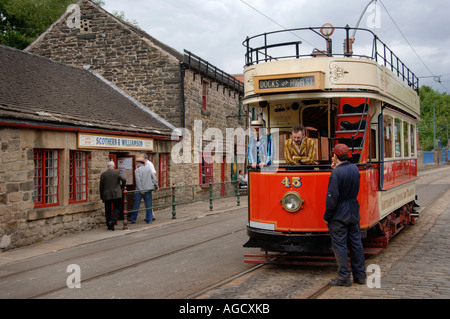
(111, 193)
(342, 217)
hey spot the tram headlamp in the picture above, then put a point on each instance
(292, 201)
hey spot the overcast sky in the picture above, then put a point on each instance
(215, 29)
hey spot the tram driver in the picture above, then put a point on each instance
(259, 151)
(300, 149)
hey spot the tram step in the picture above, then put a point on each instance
(310, 259)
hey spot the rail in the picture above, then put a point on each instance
(167, 196)
(205, 69)
(259, 49)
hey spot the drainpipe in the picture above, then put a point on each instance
(183, 110)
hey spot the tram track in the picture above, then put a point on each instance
(319, 292)
(37, 268)
(132, 265)
(223, 282)
(117, 247)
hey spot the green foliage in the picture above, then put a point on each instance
(21, 21)
(431, 102)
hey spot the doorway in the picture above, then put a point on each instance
(125, 164)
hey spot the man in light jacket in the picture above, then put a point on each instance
(145, 183)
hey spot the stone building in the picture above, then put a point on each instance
(59, 126)
(181, 88)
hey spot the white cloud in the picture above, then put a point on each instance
(215, 29)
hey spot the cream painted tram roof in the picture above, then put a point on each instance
(342, 76)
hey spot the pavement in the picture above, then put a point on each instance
(162, 217)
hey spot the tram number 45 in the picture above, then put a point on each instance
(295, 182)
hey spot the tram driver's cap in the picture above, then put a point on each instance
(257, 123)
(341, 149)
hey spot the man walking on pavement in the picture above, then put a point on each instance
(111, 193)
(342, 217)
(151, 166)
(145, 182)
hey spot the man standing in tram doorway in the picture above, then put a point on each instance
(299, 149)
(260, 148)
(342, 217)
(111, 193)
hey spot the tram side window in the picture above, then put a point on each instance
(406, 139)
(413, 139)
(387, 126)
(373, 143)
(397, 132)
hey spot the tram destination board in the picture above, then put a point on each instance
(289, 82)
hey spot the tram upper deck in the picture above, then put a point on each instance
(283, 71)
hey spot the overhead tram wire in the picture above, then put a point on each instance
(436, 78)
(404, 37)
(264, 15)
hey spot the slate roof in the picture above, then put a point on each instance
(33, 88)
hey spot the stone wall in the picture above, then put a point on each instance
(119, 54)
(20, 222)
(437, 157)
(221, 112)
(147, 70)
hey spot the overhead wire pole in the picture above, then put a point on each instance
(434, 126)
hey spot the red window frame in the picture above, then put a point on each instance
(206, 171)
(78, 177)
(46, 178)
(204, 94)
(163, 170)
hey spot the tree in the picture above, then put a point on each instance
(435, 112)
(22, 21)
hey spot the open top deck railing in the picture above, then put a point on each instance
(276, 45)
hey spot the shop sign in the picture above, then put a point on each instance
(115, 142)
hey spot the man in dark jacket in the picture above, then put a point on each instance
(111, 193)
(342, 217)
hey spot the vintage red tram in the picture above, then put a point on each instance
(367, 100)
